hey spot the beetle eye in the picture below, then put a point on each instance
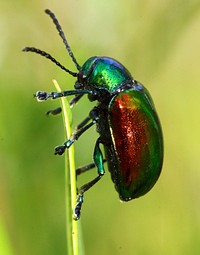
(81, 78)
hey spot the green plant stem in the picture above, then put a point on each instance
(70, 181)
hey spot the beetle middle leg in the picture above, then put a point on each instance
(98, 160)
(78, 131)
(55, 111)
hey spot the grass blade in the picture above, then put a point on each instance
(70, 181)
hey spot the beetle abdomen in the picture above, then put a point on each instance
(137, 144)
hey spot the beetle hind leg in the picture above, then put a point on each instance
(98, 160)
(86, 168)
(82, 190)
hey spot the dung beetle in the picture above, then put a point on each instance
(125, 118)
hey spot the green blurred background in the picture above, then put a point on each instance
(159, 42)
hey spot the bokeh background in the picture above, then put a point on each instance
(159, 42)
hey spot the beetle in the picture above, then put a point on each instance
(125, 118)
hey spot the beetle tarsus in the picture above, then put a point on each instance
(42, 95)
(59, 150)
(77, 209)
(69, 142)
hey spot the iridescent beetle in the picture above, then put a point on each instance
(126, 121)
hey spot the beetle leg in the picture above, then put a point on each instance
(59, 150)
(98, 160)
(83, 123)
(75, 100)
(54, 111)
(72, 102)
(78, 131)
(85, 168)
(42, 95)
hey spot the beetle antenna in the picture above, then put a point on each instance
(62, 35)
(47, 55)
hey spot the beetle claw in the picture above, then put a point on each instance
(59, 150)
(41, 95)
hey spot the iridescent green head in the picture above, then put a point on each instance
(103, 73)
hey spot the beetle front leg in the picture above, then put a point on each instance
(42, 95)
(98, 160)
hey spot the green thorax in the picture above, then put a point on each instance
(104, 73)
